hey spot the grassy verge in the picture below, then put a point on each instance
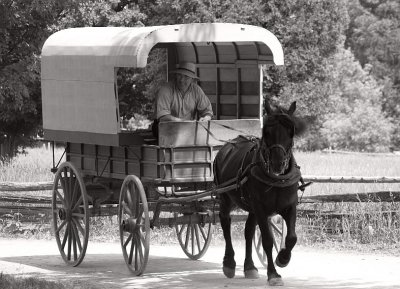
(9, 281)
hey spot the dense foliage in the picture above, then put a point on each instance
(341, 60)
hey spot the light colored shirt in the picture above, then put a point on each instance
(190, 106)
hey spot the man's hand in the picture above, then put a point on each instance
(205, 118)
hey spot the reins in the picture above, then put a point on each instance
(227, 127)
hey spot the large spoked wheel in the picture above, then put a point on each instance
(277, 226)
(134, 224)
(195, 238)
(70, 214)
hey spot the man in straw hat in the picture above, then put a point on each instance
(182, 99)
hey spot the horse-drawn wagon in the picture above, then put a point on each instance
(147, 177)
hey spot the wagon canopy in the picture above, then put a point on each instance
(78, 70)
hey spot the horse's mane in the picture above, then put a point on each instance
(282, 115)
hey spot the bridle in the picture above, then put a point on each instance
(265, 151)
(265, 156)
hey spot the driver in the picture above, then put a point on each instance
(182, 99)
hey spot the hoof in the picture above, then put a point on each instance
(229, 272)
(251, 274)
(276, 281)
(280, 261)
(279, 264)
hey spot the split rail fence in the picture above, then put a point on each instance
(20, 199)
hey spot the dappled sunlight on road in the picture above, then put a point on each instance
(168, 267)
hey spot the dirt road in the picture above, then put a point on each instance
(168, 267)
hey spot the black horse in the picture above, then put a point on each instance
(271, 187)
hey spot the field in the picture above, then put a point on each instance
(360, 226)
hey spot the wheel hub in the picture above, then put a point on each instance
(129, 225)
(64, 214)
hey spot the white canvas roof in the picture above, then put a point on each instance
(78, 67)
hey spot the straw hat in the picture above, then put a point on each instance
(186, 68)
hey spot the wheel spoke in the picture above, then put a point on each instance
(64, 188)
(192, 237)
(275, 227)
(61, 199)
(61, 226)
(136, 252)
(140, 247)
(142, 237)
(78, 240)
(187, 236)
(135, 199)
(78, 215)
(74, 242)
(79, 226)
(203, 233)
(180, 231)
(131, 252)
(126, 208)
(139, 217)
(259, 242)
(128, 240)
(66, 233)
(69, 243)
(70, 190)
(75, 190)
(274, 241)
(78, 203)
(129, 197)
(196, 227)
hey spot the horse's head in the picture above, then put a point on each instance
(279, 129)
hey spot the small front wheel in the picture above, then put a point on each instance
(134, 224)
(195, 238)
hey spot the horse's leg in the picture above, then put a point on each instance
(250, 271)
(274, 279)
(289, 215)
(229, 263)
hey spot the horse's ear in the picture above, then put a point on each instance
(292, 108)
(268, 108)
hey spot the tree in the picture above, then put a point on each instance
(24, 28)
(310, 32)
(355, 120)
(373, 36)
